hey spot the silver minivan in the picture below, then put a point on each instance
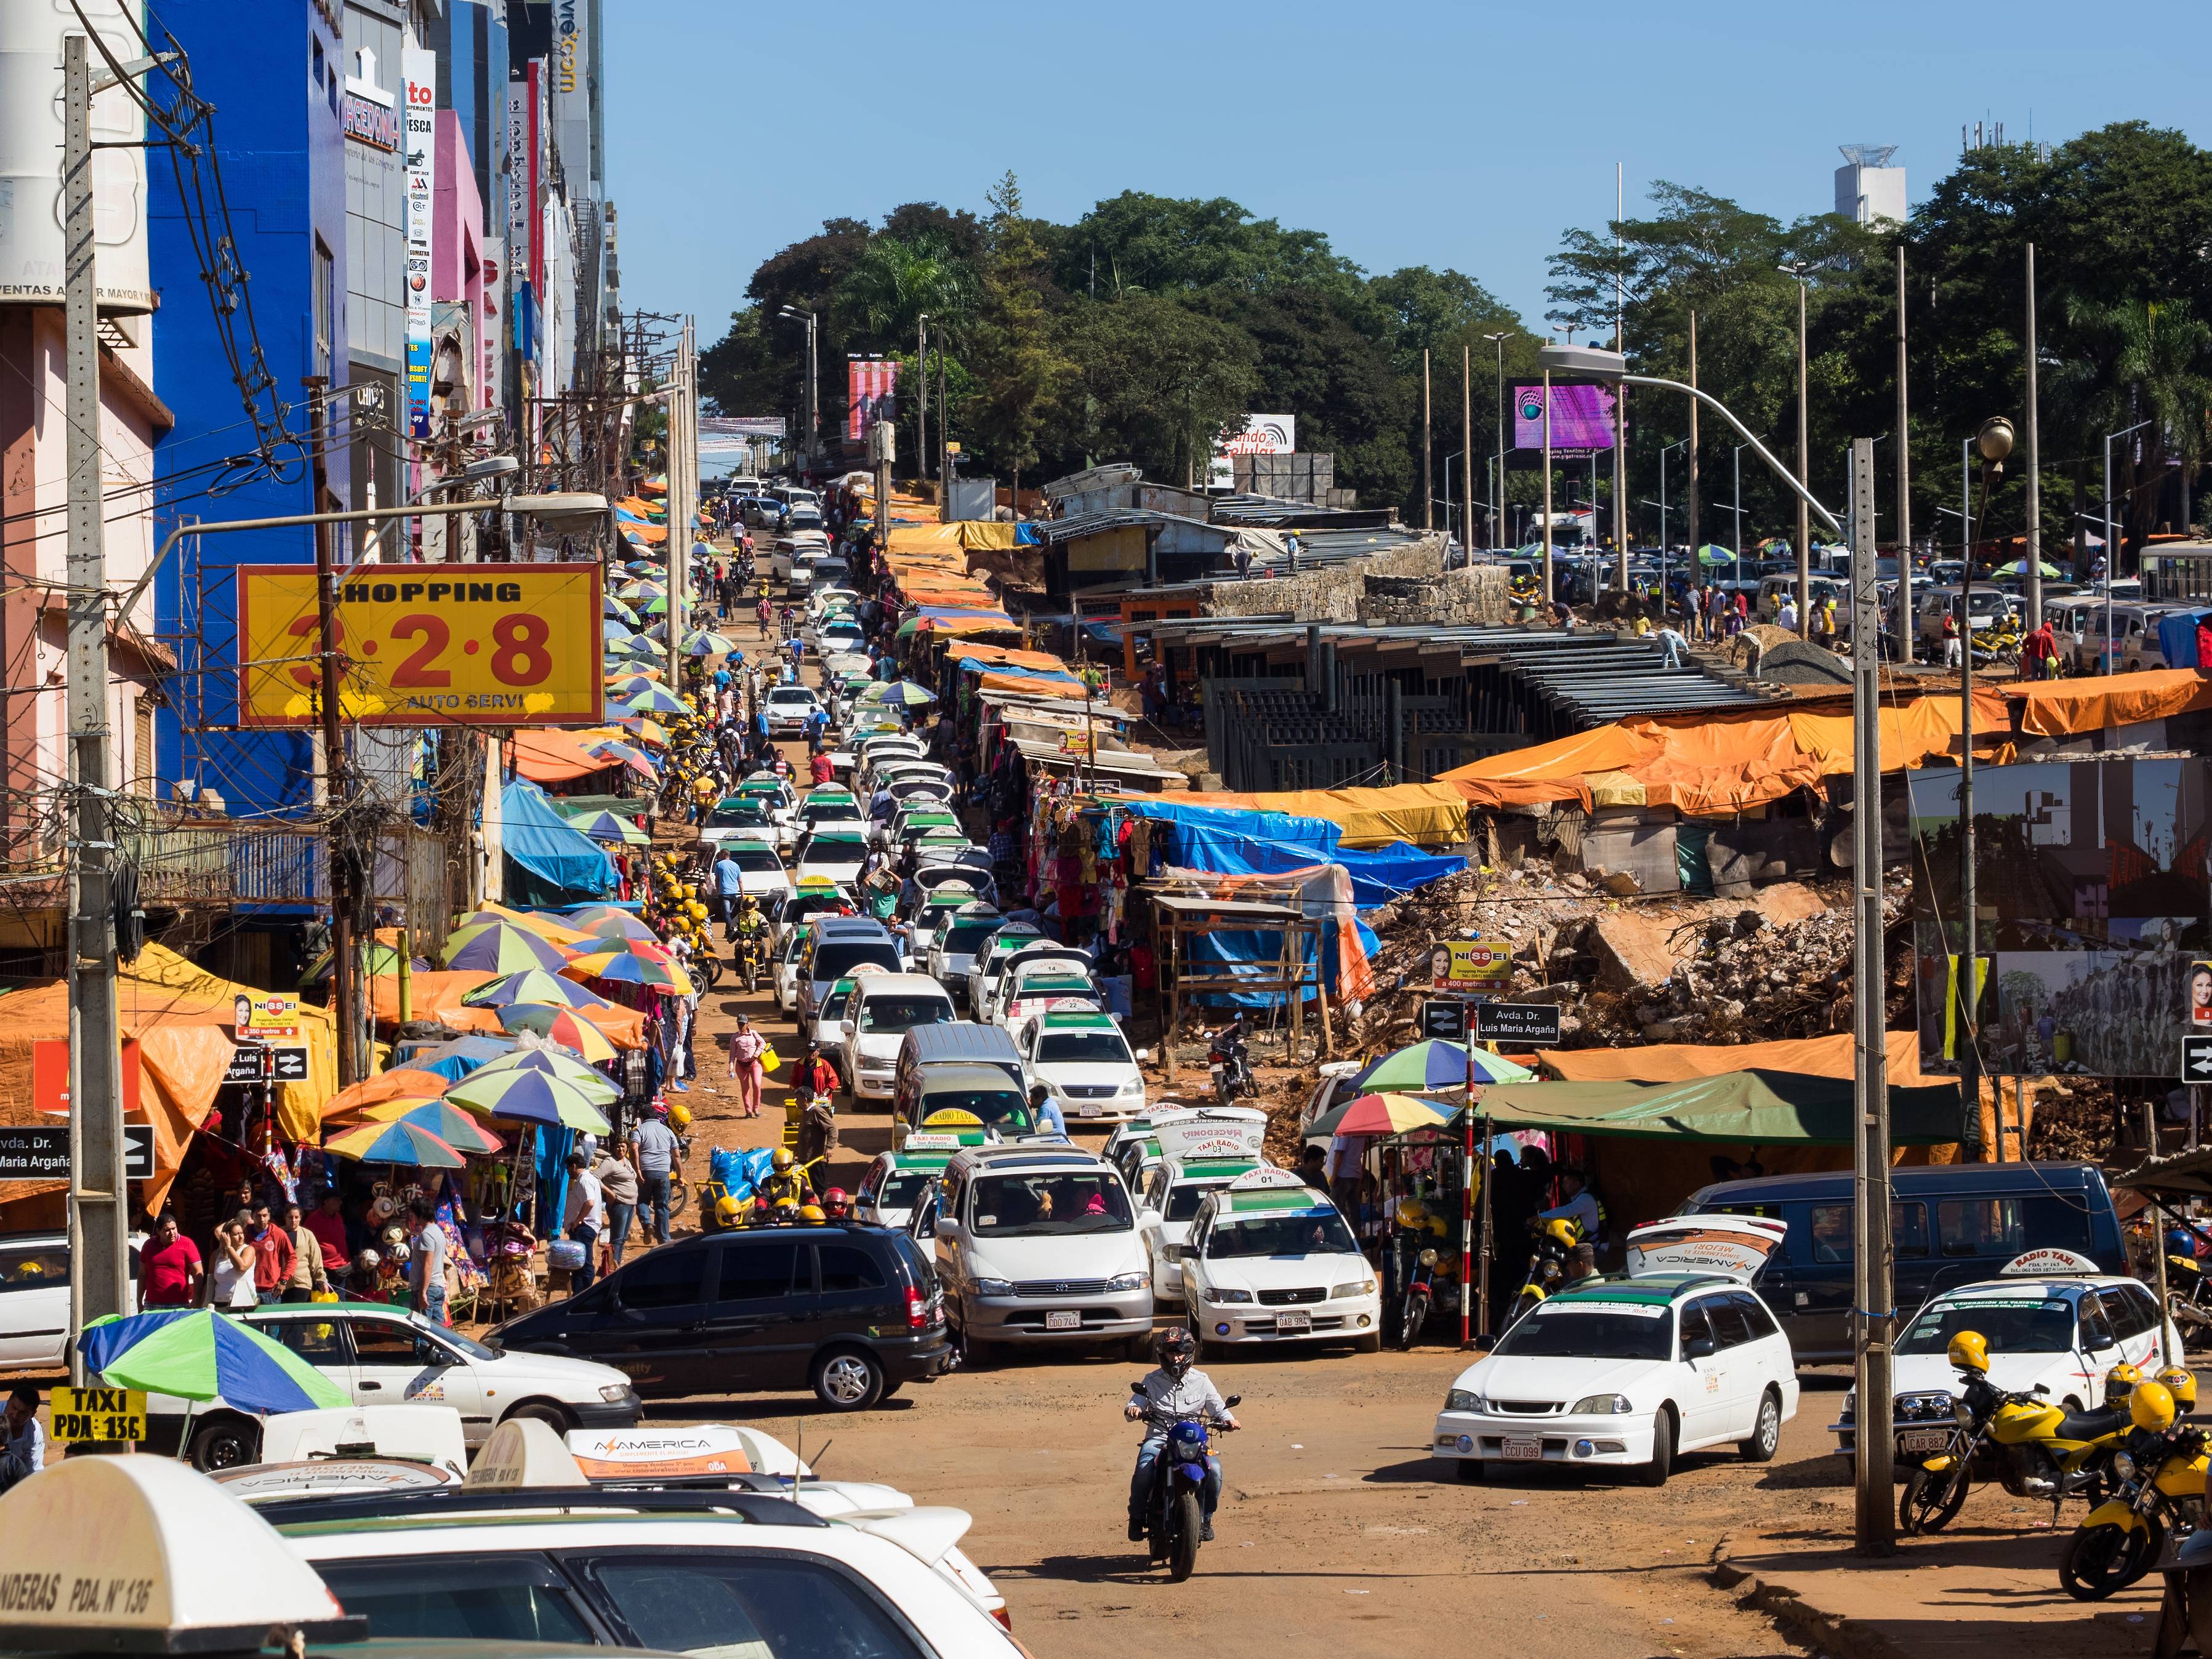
(1042, 1244)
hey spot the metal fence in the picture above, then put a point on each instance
(239, 864)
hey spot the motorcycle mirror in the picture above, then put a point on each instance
(1137, 1386)
(1234, 1399)
(2043, 1387)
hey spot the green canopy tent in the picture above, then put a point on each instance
(1754, 1107)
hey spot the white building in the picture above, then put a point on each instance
(1869, 191)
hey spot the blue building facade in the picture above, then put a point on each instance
(273, 69)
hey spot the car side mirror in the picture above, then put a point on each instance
(1148, 1217)
(2042, 1388)
(1700, 1348)
(1143, 1054)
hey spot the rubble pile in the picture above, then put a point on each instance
(2074, 1121)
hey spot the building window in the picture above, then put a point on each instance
(142, 746)
(325, 307)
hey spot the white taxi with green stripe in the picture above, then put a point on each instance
(1271, 1260)
(895, 1180)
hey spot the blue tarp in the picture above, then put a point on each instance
(1028, 534)
(2177, 638)
(1270, 843)
(977, 666)
(540, 840)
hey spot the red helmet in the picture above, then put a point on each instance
(835, 1204)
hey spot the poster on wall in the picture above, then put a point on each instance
(2091, 893)
(1582, 417)
(419, 70)
(872, 394)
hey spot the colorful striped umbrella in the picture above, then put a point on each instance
(1437, 1064)
(623, 967)
(530, 1098)
(904, 693)
(594, 1086)
(612, 827)
(1381, 1114)
(562, 1025)
(642, 589)
(653, 699)
(502, 947)
(612, 922)
(449, 1123)
(201, 1353)
(611, 606)
(533, 985)
(705, 642)
(394, 1143)
(536, 922)
(654, 607)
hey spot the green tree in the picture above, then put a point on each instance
(1018, 369)
(1161, 243)
(1154, 382)
(895, 282)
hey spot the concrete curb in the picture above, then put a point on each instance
(1826, 1633)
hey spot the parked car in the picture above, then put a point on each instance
(760, 873)
(1213, 1146)
(826, 1028)
(1271, 1260)
(1011, 939)
(957, 1045)
(377, 1355)
(2057, 1333)
(1082, 1059)
(1952, 1225)
(895, 1180)
(834, 854)
(956, 948)
(35, 1299)
(1624, 1372)
(838, 946)
(1039, 1244)
(786, 709)
(883, 1009)
(736, 817)
(852, 1313)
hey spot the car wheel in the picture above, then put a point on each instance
(552, 1416)
(1655, 1473)
(1371, 1343)
(1765, 1433)
(849, 1380)
(227, 1442)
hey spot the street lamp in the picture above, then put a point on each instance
(1736, 460)
(1664, 545)
(2111, 554)
(1798, 268)
(813, 412)
(1498, 515)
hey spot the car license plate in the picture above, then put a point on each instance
(1924, 1440)
(1066, 1319)
(1087, 1109)
(1522, 1451)
(1293, 1322)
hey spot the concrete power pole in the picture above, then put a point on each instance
(1905, 477)
(682, 482)
(2033, 554)
(1872, 1277)
(1428, 452)
(98, 1214)
(1696, 540)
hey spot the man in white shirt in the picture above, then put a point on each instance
(23, 1442)
(585, 1214)
(1786, 619)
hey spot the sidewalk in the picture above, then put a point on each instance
(1986, 1588)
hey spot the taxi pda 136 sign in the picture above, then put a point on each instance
(425, 645)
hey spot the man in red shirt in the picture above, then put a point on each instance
(818, 767)
(272, 1257)
(329, 1231)
(168, 1269)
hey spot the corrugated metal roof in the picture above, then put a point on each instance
(1056, 530)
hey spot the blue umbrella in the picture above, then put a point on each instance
(455, 1060)
(200, 1353)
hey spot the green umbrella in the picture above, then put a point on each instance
(501, 947)
(529, 1096)
(656, 606)
(654, 700)
(611, 606)
(905, 693)
(534, 985)
(612, 827)
(595, 1086)
(909, 628)
(203, 1354)
(705, 642)
(2019, 567)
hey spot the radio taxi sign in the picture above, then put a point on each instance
(425, 645)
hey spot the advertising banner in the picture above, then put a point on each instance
(419, 71)
(1263, 435)
(424, 645)
(50, 1077)
(1470, 964)
(872, 388)
(1582, 417)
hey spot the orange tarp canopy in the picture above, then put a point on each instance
(958, 625)
(551, 756)
(1035, 688)
(1713, 767)
(181, 1014)
(2058, 709)
(438, 996)
(1679, 1062)
(1012, 657)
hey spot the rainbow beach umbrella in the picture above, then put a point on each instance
(534, 985)
(562, 1025)
(502, 947)
(432, 1113)
(394, 1143)
(1435, 1065)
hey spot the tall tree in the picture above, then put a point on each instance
(895, 282)
(1013, 354)
(1154, 382)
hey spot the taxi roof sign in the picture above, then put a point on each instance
(523, 1452)
(148, 1555)
(1080, 1019)
(929, 1142)
(1267, 1178)
(633, 1454)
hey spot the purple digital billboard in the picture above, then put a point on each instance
(1582, 417)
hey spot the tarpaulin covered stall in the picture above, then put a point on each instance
(1263, 842)
(2059, 709)
(1423, 814)
(1755, 1108)
(548, 861)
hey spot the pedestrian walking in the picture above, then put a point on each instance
(746, 1048)
(617, 1179)
(658, 1154)
(584, 1217)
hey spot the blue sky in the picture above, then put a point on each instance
(1415, 133)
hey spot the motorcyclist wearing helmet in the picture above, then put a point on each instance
(837, 1207)
(1173, 1389)
(784, 1183)
(748, 923)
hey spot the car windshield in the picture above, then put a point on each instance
(738, 812)
(831, 811)
(2024, 1325)
(490, 1596)
(1085, 1048)
(1563, 1332)
(750, 855)
(902, 1186)
(1309, 1233)
(965, 938)
(833, 1009)
(1002, 1109)
(832, 853)
(897, 1013)
(835, 960)
(1183, 1200)
(1075, 1201)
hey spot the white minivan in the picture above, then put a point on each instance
(883, 1009)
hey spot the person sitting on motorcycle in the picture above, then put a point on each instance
(1173, 1389)
(749, 928)
(836, 1206)
(783, 1183)
(1581, 1206)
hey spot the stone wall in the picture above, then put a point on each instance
(1408, 583)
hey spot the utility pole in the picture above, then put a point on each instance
(922, 403)
(883, 447)
(1497, 519)
(1619, 402)
(1904, 470)
(1428, 452)
(339, 856)
(943, 454)
(1467, 448)
(1804, 476)
(1547, 491)
(1875, 1527)
(1697, 559)
(2033, 555)
(98, 1214)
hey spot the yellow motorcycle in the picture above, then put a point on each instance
(2031, 1447)
(2160, 1471)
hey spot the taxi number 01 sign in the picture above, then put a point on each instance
(82, 1414)
(424, 645)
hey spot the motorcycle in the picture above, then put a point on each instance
(1547, 1268)
(752, 959)
(2189, 1297)
(1420, 1297)
(2161, 1491)
(2031, 1447)
(1175, 1511)
(1227, 1061)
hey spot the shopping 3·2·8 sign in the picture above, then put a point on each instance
(424, 645)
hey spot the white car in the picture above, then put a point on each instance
(760, 873)
(825, 1027)
(1630, 1371)
(2061, 1333)
(991, 961)
(883, 1008)
(1270, 1260)
(1036, 958)
(960, 946)
(1211, 1145)
(834, 854)
(1084, 1061)
(673, 1582)
(787, 708)
(35, 1299)
(379, 1356)
(783, 971)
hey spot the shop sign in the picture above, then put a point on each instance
(368, 123)
(49, 1076)
(1469, 963)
